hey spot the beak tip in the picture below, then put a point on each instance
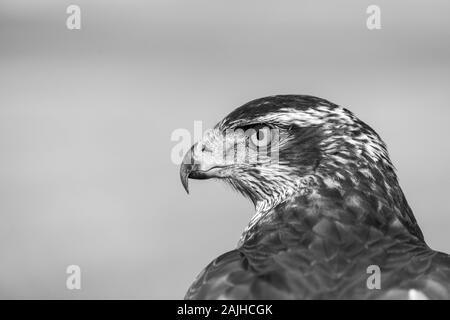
(184, 176)
(186, 186)
(187, 166)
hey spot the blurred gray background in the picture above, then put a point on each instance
(86, 119)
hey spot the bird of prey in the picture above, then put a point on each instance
(330, 216)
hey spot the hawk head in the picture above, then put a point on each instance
(277, 148)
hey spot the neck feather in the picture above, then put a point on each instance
(363, 198)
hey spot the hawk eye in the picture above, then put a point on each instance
(259, 135)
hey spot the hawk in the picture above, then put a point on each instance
(330, 216)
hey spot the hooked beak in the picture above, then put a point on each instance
(196, 169)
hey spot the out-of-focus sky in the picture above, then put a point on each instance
(86, 118)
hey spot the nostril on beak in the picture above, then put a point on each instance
(206, 149)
